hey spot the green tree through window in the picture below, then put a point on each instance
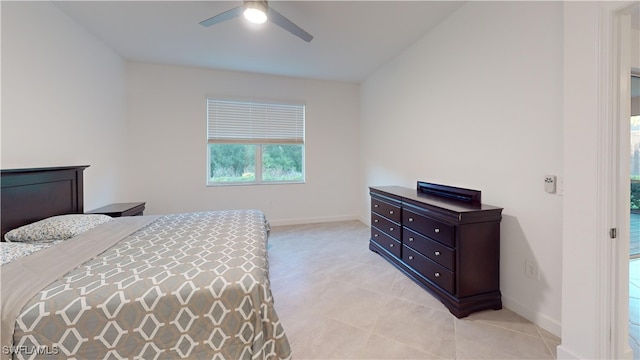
(252, 143)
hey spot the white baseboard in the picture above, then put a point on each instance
(562, 353)
(551, 325)
(315, 220)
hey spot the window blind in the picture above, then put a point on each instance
(238, 122)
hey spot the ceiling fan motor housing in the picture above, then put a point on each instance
(255, 11)
(261, 5)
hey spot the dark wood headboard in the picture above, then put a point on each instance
(30, 195)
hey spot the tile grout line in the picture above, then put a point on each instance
(455, 339)
(540, 336)
(546, 344)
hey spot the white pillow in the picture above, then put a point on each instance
(59, 227)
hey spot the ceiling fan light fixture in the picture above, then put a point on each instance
(255, 11)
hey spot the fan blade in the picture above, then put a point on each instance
(227, 15)
(286, 24)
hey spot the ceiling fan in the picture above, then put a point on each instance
(258, 11)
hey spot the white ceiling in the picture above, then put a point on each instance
(351, 38)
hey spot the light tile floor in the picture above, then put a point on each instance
(634, 307)
(338, 300)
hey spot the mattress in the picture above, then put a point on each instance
(193, 285)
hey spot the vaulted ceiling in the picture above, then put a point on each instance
(351, 38)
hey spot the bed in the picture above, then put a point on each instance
(192, 285)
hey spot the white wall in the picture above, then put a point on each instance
(477, 103)
(167, 144)
(63, 98)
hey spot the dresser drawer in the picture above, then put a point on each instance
(429, 248)
(387, 226)
(390, 211)
(431, 228)
(429, 269)
(385, 241)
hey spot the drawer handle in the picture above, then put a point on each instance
(410, 219)
(437, 253)
(410, 239)
(437, 230)
(410, 257)
(390, 211)
(375, 205)
(375, 235)
(437, 274)
(390, 229)
(376, 220)
(390, 245)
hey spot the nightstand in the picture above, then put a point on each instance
(120, 209)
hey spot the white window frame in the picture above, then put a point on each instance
(259, 131)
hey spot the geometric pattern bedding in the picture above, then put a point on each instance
(192, 285)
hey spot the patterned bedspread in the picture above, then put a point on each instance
(186, 286)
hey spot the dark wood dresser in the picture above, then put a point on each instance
(444, 239)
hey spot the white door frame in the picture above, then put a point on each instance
(613, 285)
(595, 267)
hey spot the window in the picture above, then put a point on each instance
(254, 142)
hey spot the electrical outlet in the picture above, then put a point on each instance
(530, 269)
